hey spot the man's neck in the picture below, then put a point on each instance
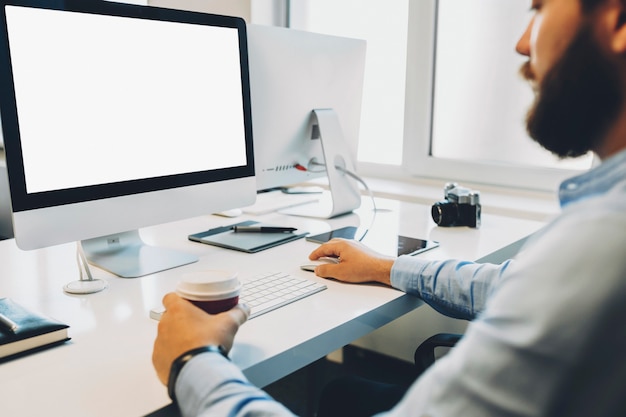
(615, 140)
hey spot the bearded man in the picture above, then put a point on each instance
(547, 335)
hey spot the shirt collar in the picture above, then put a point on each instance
(598, 180)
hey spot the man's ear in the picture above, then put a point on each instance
(618, 19)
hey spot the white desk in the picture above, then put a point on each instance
(106, 369)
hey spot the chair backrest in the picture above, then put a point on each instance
(425, 353)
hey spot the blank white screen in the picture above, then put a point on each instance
(104, 99)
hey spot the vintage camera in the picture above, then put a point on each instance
(461, 207)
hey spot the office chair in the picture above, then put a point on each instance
(425, 353)
(360, 396)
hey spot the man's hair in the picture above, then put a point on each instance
(589, 5)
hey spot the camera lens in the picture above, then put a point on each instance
(445, 213)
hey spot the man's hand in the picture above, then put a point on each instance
(357, 263)
(184, 326)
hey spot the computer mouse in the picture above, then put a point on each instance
(310, 265)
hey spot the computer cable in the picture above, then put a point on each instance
(83, 265)
(313, 162)
(84, 285)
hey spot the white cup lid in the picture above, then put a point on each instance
(209, 285)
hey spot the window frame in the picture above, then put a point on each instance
(417, 160)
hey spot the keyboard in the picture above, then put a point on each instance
(266, 292)
(269, 291)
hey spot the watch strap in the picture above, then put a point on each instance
(180, 361)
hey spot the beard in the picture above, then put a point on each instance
(577, 101)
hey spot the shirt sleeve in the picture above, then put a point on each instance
(211, 385)
(457, 289)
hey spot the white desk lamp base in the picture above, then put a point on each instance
(85, 286)
(88, 285)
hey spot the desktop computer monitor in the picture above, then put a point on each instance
(306, 93)
(117, 117)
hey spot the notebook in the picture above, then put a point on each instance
(225, 237)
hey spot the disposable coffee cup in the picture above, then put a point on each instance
(214, 291)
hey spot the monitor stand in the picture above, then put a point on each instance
(126, 255)
(344, 192)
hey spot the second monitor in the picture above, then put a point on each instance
(306, 91)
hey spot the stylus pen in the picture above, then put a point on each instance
(263, 229)
(8, 323)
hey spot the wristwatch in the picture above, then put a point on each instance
(180, 361)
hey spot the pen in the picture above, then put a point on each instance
(8, 323)
(263, 229)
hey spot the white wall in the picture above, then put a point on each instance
(239, 8)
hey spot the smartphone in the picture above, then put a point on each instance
(405, 246)
(413, 246)
(347, 232)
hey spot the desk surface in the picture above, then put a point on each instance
(106, 369)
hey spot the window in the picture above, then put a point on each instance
(384, 26)
(453, 109)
